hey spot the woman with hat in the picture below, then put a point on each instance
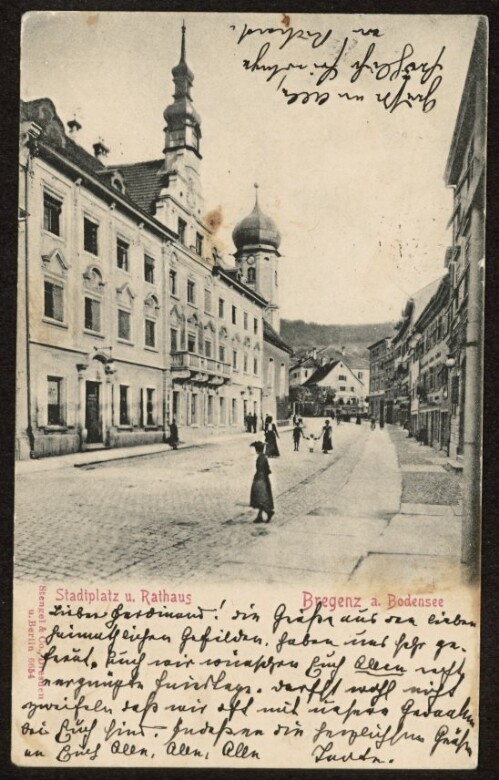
(261, 491)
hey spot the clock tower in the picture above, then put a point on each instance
(257, 241)
(182, 140)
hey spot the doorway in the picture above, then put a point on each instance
(92, 413)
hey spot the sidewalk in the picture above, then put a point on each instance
(387, 518)
(105, 455)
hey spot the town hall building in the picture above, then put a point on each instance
(128, 316)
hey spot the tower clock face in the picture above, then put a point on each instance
(250, 260)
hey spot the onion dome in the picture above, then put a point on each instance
(256, 229)
(181, 111)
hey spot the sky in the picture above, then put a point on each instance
(357, 190)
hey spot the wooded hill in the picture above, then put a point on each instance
(303, 335)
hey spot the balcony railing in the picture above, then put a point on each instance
(182, 361)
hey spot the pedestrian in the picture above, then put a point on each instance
(271, 436)
(261, 490)
(358, 420)
(297, 434)
(338, 418)
(173, 439)
(295, 419)
(373, 422)
(327, 437)
(254, 422)
(268, 421)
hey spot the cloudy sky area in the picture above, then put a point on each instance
(357, 192)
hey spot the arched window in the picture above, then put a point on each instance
(251, 275)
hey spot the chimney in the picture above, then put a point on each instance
(314, 353)
(100, 150)
(343, 351)
(74, 126)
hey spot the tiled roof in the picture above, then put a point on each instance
(272, 336)
(320, 373)
(143, 181)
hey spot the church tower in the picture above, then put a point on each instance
(257, 241)
(182, 140)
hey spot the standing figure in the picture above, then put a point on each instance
(338, 418)
(268, 421)
(261, 490)
(373, 422)
(297, 434)
(254, 422)
(358, 421)
(271, 436)
(173, 439)
(327, 438)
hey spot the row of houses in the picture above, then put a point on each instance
(427, 375)
(128, 314)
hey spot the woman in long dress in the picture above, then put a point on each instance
(327, 437)
(271, 436)
(261, 491)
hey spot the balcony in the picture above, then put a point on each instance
(199, 368)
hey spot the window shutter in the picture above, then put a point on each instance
(42, 400)
(142, 409)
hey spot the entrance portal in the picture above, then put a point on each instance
(92, 413)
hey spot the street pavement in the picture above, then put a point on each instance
(184, 516)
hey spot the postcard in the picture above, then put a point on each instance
(249, 390)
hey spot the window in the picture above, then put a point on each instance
(207, 348)
(92, 315)
(234, 358)
(124, 405)
(194, 407)
(90, 236)
(342, 378)
(191, 291)
(245, 321)
(275, 278)
(207, 301)
(255, 365)
(173, 282)
(245, 364)
(52, 208)
(234, 411)
(122, 248)
(149, 269)
(360, 374)
(221, 305)
(342, 388)
(251, 277)
(191, 342)
(222, 411)
(53, 301)
(255, 325)
(173, 340)
(181, 230)
(124, 325)
(221, 353)
(234, 315)
(199, 244)
(150, 407)
(54, 401)
(150, 333)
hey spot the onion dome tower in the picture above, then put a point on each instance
(182, 137)
(257, 240)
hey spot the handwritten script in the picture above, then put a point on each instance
(316, 66)
(144, 677)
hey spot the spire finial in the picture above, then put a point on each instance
(182, 50)
(255, 185)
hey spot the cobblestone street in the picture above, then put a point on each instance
(184, 515)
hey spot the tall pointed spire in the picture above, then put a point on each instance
(183, 125)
